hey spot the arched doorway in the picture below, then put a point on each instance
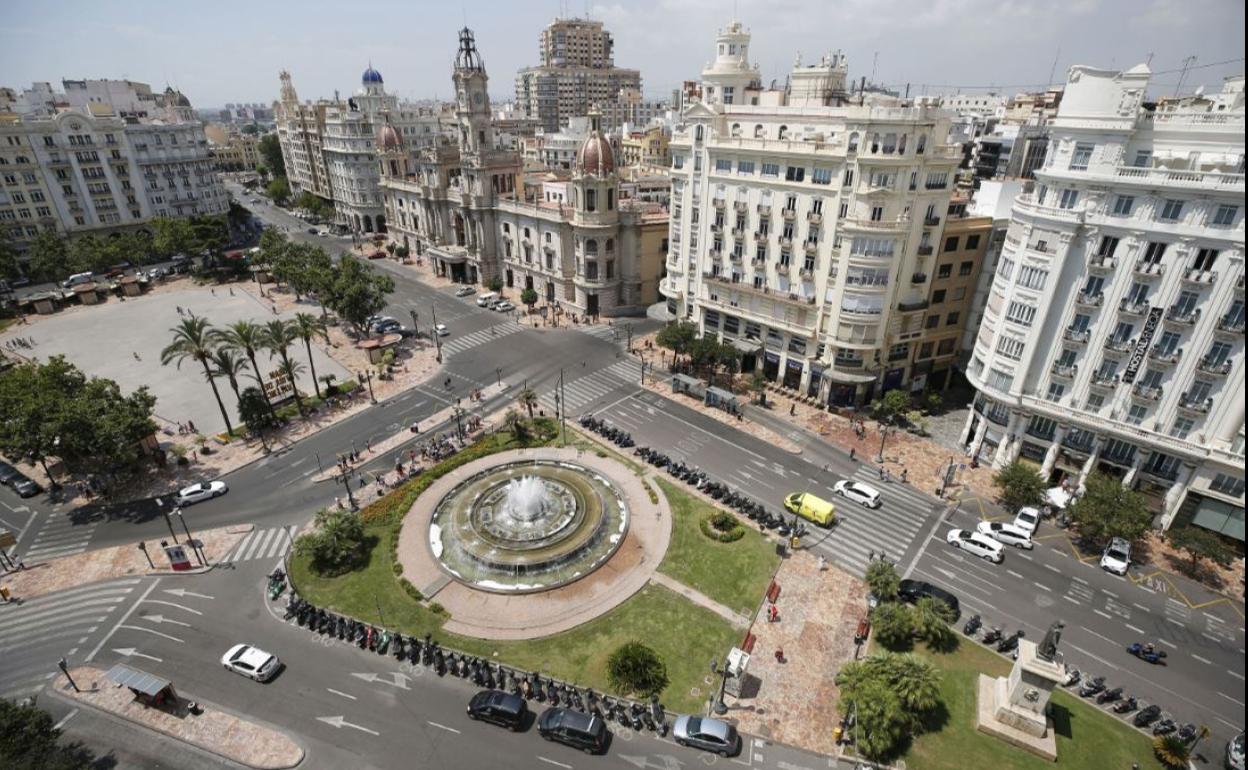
(368, 223)
(458, 224)
(381, 223)
(357, 223)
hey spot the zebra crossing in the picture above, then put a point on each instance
(38, 631)
(601, 331)
(480, 337)
(585, 390)
(267, 543)
(59, 536)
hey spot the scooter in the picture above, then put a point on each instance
(1092, 686)
(1187, 733)
(1147, 715)
(972, 625)
(992, 635)
(1010, 643)
(1165, 727)
(1105, 696)
(1147, 653)
(1072, 678)
(1124, 706)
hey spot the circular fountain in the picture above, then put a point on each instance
(527, 525)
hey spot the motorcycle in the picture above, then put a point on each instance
(1106, 696)
(1165, 727)
(1124, 706)
(277, 584)
(1010, 643)
(1072, 678)
(972, 625)
(1092, 686)
(1147, 715)
(1187, 733)
(1147, 653)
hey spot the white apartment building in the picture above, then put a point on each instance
(91, 170)
(804, 228)
(300, 134)
(1113, 335)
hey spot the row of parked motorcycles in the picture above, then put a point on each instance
(484, 673)
(613, 434)
(695, 477)
(1092, 687)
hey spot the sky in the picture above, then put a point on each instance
(231, 51)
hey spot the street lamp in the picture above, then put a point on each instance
(369, 375)
(415, 322)
(498, 371)
(345, 478)
(437, 340)
(64, 667)
(189, 539)
(884, 431)
(718, 705)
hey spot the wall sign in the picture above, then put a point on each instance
(1141, 347)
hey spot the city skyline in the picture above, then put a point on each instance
(940, 43)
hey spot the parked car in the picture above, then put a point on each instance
(25, 486)
(441, 330)
(465, 291)
(1028, 519)
(572, 728)
(8, 473)
(858, 492)
(390, 326)
(707, 733)
(1117, 556)
(976, 544)
(501, 708)
(504, 307)
(375, 323)
(204, 490)
(913, 590)
(1235, 753)
(1004, 532)
(312, 231)
(251, 662)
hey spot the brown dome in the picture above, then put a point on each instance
(595, 156)
(388, 138)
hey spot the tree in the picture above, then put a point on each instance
(895, 402)
(278, 336)
(930, 619)
(1172, 751)
(10, 266)
(891, 695)
(193, 339)
(882, 580)
(248, 338)
(211, 234)
(227, 363)
(893, 624)
(527, 398)
(309, 327)
(529, 297)
(279, 190)
(357, 292)
(335, 545)
(33, 399)
(49, 257)
(1200, 544)
(758, 383)
(1021, 485)
(677, 337)
(514, 423)
(916, 682)
(271, 153)
(254, 411)
(172, 236)
(29, 738)
(1107, 509)
(634, 668)
(101, 428)
(403, 252)
(272, 245)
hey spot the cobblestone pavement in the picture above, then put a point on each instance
(796, 703)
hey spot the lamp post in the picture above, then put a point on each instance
(64, 667)
(437, 340)
(367, 375)
(189, 539)
(498, 371)
(169, 524)
(345, 478)
(718, 705)
(884, 431)
(415, 322)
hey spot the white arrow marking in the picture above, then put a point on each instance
(171, 604)
(163, 619)
(130, 652)
(399, 679)
(182, 592)
(340, 723)
(339, 692)
(150, 631)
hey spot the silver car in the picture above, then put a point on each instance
(708, 734)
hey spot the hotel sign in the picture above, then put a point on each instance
(1141, 347)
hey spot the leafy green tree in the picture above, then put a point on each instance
(357, 292)
(403, 252)
(1107, 509)
(891, 695)
(931, 619)
(496, 284)
(230, 364)
(1200, 545)
(279, 190)
(271, 152)
(193, 339)
(255, 412)
(309, 201)
(10, 265)
(272, 245)
(894, 404)
(758, 383)
(677, 337)
(513, 421)
(247, 337)
(893, 624)
(916, 681)
(529, 298)
(336, 544)
(1020, 485)
(33, 399)
(278, 337)
(173, 236)
(634, 668)
(527, 398)
(212, 234)
(49, 257)
(29, 739)
(101, 428)
(89, 253)
(882, 580)
(308, 327)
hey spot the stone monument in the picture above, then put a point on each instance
(1014, 708)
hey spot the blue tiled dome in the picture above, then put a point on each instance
(371, 76)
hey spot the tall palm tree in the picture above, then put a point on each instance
(227, 363)
(247, 337)
(193, 339)
(308, 326)
(915, 681)
(277, 337)
(527, 398)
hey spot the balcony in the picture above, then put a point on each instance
(918, 278)
(786, 243)
(1200, 277)
(1102, 263)
(738, 232)
(1164, 357)
(760, 235)
(1229, 324)
(1147, 392)
(806, 273)
(735, 256)
(1184, 317)
(811, 246)
(788, 214)
(912, 306)
(1089, 299)
(1079, 336)
(758, 261)
(741, 206)
(815, 218)
(925, 250)
(1219, 368)
(718, 203)
(848, 363)
(1147, 269)
(764, 211)
(1065, 371)
(1134, 307)
(1195, 405)
(1239, 285)
(931, 221)
(1105, 381)
(717, 227)
(1118, 345)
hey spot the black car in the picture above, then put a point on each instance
(572, 728)
(25, 487)
(913, 590)
(501, 708)
(312, 231)
(8, 473)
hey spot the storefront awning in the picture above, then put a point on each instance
(747, 346)
(1220, 517)
(849, 378)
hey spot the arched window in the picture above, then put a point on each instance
(697, 134)
(760, 132)
(901, 146)
(784, 132)
(610, 199)
(853, 142)
(875, 143)
(890, 144)
(591, 200)
(922, 145)
(610, 245)
(736, 129)
(591, 246)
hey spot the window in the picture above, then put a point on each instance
(745, 168)
(1005, 268)
(1024, 314)
(1107, 247)
(1224, 216)
(937, 180)
(951, 243)
(848, 179)
(1095, 402)
(678, 161)
(794, 173)
(925, 351)
(1136, 415)
(771, 169)
(952, 319)
(1171, 211)
(1154, 252)
(999, 380)
(1204, 259)
(1082, 154)
(877, 213)
(1069, 199)
(972, 242)
(1033, 277)
(938, 296)
(945, 347)
(872, 247)
(882, 179)
(821, 176)
(1186, 303)
(724, 166)
(966, 268)
(944, 271)
(1056, 390)
(1123, 205)
(1227, 485)
(931, 322)
(1143, 158)
(1010, 348)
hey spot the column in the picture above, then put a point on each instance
(805, 380)
(1175, 495)
(1050, 456)
(980, 433)
(965, 437)
(1007, 452)
(1136, 463)
(1090, 464)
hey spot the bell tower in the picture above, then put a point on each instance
(472, 98)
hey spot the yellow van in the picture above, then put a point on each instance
(810, 507)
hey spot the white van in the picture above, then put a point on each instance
(484, 300)
(77, 279)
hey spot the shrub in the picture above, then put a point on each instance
(336, 545)
(635, 668)
(893, 624)
(437, 609)
(722, 526)
(410, 589)
(1021, 485)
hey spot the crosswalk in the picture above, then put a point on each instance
(591, 387)
(59, 536)
(601, 331)
(266, 543)
(38, 631)
(480, 337)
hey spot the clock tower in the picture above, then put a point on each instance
(472, 98)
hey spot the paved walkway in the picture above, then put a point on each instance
(218, 732)
(487, 615)
(701, 599)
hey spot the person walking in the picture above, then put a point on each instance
(852, 452)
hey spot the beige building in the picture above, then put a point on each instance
(650, 147)
(232, 150)
(300, 133)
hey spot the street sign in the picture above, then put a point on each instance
(178, 559)
(278, 386)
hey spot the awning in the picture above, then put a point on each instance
(1220, 517)
(746, 346)
(849, 378)
(139, 681)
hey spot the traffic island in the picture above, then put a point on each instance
(205, 727)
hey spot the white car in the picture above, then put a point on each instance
(976, 544)
(504, 307)
(858, 492)
(1117, 556)
(204, 490)
(1005, 532)
(465, 291)
(441, 330)
(1028, 520)
(251, 662)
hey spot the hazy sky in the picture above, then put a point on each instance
(231, 51)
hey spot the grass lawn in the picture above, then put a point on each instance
(1087, 738)
(685, 635)
(733, 574)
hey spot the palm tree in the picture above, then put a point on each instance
(228, 364)
(292, 369)
(527, 398)
(931, 622)
(248, 337)
(915, 681)
(1171, 750)
(515, 424)
(277, 337)
(308, 326)
(193, 338)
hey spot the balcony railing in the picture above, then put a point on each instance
(848, 363)
(1090, 299)
(910, 307)
(1178, 315)
(1159, 356)
(1198, 405)
(811, 246)
(1203, 277)
(1149, 269)
(931, 221)
(758, 261)
(1076, 335)
(815, 218)
(1102, 263)
(918, 278)
(1231, 325)
(788, 214)
(1133, 307)
(925, 250)
(759, 235)
(764, 211)
(1066, 371)
(717, 227)
(1147, 392)
(1107, 381)
(1214, 366)
(786, 243)
(1119, 345)
(806, 273)
(741, 206)
(718, 203)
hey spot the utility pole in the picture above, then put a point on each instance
(415, 322)
(436, 339)
(563, 410)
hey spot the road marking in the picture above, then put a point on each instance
(1103, 614)
(338, 692)
(131, 652)
(1094, 657)
(162, 619)
(1232, 700)
(340, 723)
(1051, 568)
(444, 727)
(1070, 599)
(1015, 574)
(1139, 606)
(182, 593)
(1101, 636)
(68, 717)
(171, 604)
(1206, 661)
(150, 631)
(1168, 643)
(1133, 628)
(1211, 637)
(1235, 674)
(1109, 593)
(556, 764)
(133, 607)
(1042, 587)
(1079, 579)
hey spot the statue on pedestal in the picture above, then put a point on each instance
(1047, 650)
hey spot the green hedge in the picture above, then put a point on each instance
(722, 526)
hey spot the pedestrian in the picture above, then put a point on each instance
(905, 472)
(871, 555)
(779, 654)
(881, 473)
(792, 409)
(368, 445)
(888, 476)
(274, 308)
(214, 292)
(823, 563)
(136, 356)
(191, 425)
(231, 291)
(852, 453)
(179, 308)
